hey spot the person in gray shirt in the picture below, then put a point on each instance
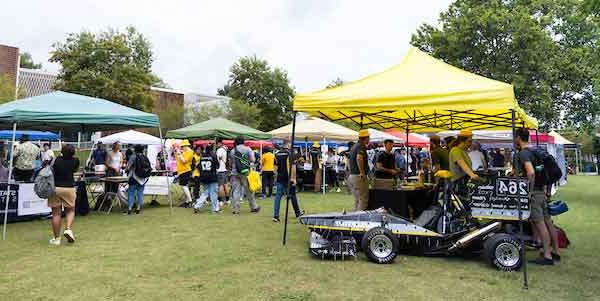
(241, 154)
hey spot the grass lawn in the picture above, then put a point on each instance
(155, 256)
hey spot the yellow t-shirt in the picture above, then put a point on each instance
(268, 162)
(196, 171)
(183, 167)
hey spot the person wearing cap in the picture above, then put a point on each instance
(477, 158)
(359, 167)
(439, 155)
(315, 160)
(184, 156)
(460, 163)
(385, 168)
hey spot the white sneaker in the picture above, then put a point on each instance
(69, 235)
(55, 241)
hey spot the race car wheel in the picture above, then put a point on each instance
(380, 245)
(504, 252)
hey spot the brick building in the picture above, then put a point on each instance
(9, 62)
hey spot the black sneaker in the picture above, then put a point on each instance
(196, 211)
(255, 210)
(137, 211)
(542, 261)
(128, 212)
(555, 257)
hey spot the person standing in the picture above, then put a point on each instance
(208, 178)
(196, 171)
(385, 168)
(268, 165)
(242, 158)
(498, 158)
(401, 163)
(47, 155)
(539, 217)
(137, 181)
(315, 160)
(24, 158)
(222, 171)
(114, 161)
(64, 194)
(183, 157)
(331, 166)
(359, 168)
(282, 163)
(460, 163)
(439, 155)
(477, 158)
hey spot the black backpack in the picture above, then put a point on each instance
(547, 171)
(241, 162)
(208, 168)
(142, 168)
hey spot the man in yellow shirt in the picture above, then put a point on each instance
(183, 157)
(268, 165)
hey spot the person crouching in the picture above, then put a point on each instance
(209, 180)
(65, 194)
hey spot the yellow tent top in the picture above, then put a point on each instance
(423, 94)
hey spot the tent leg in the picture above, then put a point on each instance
(289, 186)
(514, 161)
(324, 167)
(164, 151)
(537, 139)
(10, 170)
(407, 154)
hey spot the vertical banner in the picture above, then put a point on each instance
(12, 202)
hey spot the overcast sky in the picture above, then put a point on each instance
(195, 42)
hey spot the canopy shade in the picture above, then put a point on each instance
(33, 135)
(502, 136)
(423, 94)
(379, 137)
(218, 128)
(313, 128)
(130, 137)
(559, 139)
(61, 109)
(414, 140)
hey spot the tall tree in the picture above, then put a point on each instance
(235, 110)
(8, 91)
(547, 48)
(26, 61)
(252, 80)
(335, 83)
(113, 65)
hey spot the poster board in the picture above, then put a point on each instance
(29, 203)
(498, 198)
(157, 185)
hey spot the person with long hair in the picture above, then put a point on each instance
(64, 194)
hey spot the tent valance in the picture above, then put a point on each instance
(315, 129)
(218, 128)
(421, 94)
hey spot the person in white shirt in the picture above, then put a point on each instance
(478, 161)
(222, 172)
(47, 155)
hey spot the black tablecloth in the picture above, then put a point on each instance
(399, 201)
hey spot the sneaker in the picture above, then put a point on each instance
(127, 212)
(255, 210)
(69, 235)
(196, 210)
(55, 241)
(555, 256)
(137, 211)
(338, 190)
(275, 220)
(542, 261)
(216, 212)
(235, 212)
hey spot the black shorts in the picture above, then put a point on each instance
(184, 178)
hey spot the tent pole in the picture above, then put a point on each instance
(514, 161)
(324, 167)
(289, 185)
(10, 170)
(163, 149)
(537, 138)
(407, 150)
(577, 160)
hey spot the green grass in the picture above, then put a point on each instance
(155, 256)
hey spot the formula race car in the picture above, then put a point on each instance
(486, 222)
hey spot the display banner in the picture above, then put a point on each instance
(498, 198)
(30, 203)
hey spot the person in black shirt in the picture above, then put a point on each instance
(208, 178)
(439, 155)
(497, 159)
(64, 194)
(358, 161)
(385, 167)
(539, 217)
(282, 165)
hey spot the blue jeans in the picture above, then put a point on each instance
(135, 190)
(209, 190)
(281, 187)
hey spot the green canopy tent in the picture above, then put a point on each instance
(61, 110)
(218, 128)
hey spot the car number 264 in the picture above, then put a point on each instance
(512, 187)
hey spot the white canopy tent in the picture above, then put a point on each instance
(378, 136)
(312, 128)
(130, 137)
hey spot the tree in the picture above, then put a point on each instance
(26, 61)
(242, 112)
(205, 112)
(253, 81)
(335, 83)
(112, 65)
(547, 48)
(170, 119)
(7, 89)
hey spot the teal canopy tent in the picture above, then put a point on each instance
(218, 128)
(61, 110)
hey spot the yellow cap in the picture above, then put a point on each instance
(364, 133)
(316, 144)
(185, 142)
(465, 133)
(444, 174)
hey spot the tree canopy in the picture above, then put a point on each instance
(549, 50)
(26, 61)
(112, 65)
(252, 80)
(235, 110)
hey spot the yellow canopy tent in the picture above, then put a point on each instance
(423, 93)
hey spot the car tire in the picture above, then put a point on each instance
(503, 251)
(380, 245)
